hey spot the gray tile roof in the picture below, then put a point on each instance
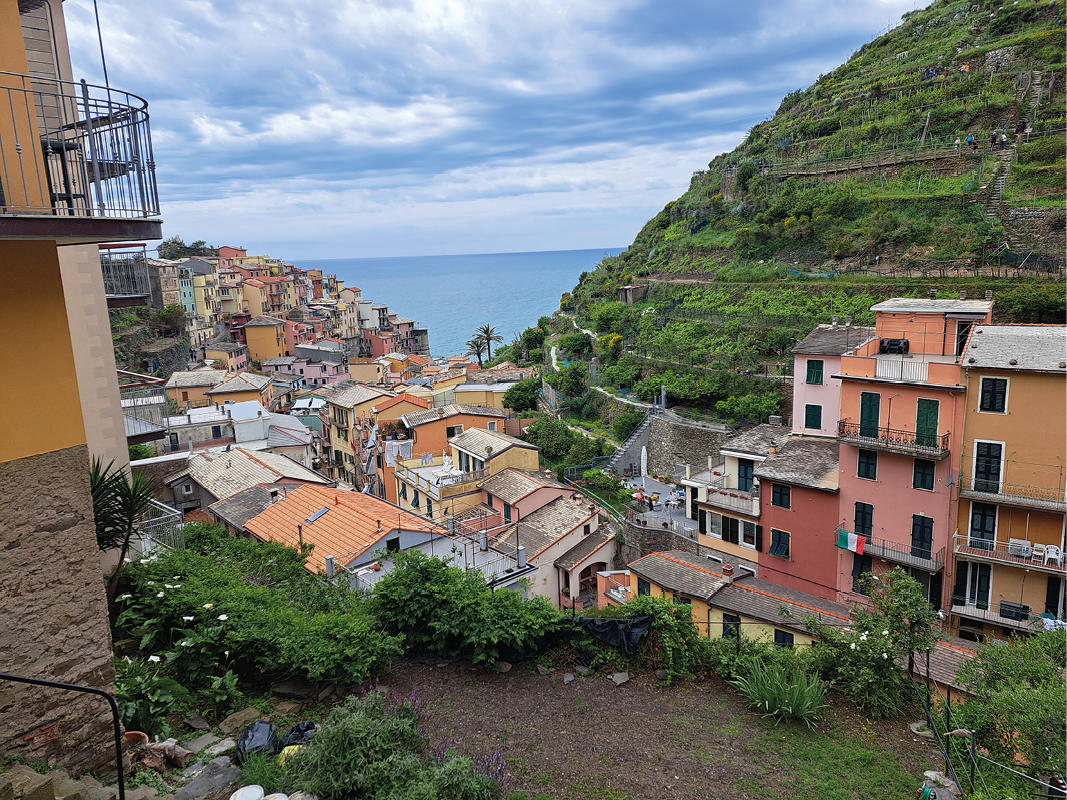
(357, 395)
(1032, 347)
(224, 346)
(764, 601)
(830, 340)
(682, 572)
(224, 474)
(803, 461)
(279, 361)
(198, 377)
(263, 322)
(476, 441)
(544, 526)
(238, 508)
(511, 484)
(242, 382)
(756, 441)
(907, 305)
(585, 548)
(946, 659)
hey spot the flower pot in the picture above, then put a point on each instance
(134, 738)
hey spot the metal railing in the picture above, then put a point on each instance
(1019, 552)
(125, 273)
(161, 526)
(901, 370)
(1002, 491)
(72, 149)
(999, 612)
(861, 435)
(910, 555)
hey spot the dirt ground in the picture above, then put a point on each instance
(591, 739)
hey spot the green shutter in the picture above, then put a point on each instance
(813, 417)
(814, 371)
(870, 409)
(926, 422)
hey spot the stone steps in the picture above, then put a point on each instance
(24, 783)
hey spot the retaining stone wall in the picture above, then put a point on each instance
(672, 443)
(53, 614)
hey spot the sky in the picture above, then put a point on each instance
(344, 128)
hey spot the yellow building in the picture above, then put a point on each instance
(1008, 547)
(265, 338)
(188, 389)
(366, 370)
(435, 488)
(254, 296)
(347, 408)
(245, 386)
(723, 603)
(61, 196)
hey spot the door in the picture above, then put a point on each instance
(922, 536)
(174, 443)
(926, 422)
(745, 467)
(978, 576)
(983, 526)
(870, 411)
(987, 466)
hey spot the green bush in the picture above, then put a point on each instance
(262, 769)
(783, 693)
(145, 697)
(626, 423)
(366, 749)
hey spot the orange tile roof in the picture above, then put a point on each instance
(421, 402)
(422, 362)
(349, 527)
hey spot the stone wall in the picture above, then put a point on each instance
(53, 614)
(673, 442)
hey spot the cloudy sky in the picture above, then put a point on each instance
(342, 128)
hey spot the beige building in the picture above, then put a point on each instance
(189, 389)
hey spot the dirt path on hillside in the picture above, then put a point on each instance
(591, 739)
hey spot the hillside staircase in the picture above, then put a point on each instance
(634, 443)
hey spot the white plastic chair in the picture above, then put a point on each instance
(1038, 553)
(1052, 553)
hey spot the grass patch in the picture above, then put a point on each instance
(262, 769)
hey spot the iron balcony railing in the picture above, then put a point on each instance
(1014, 552)
(999, 612)
(161, 526)
(893, 440)
(73, 149)
(998, 491)
(125, 273)
(911, 555)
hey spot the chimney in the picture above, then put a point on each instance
(329, 567)
(834, 323)
(848, 321)
(688, 472)
(728, 572)
(520, 557)
(273, 496)
(711, 463)
(483, 541)
(933, 294)
(963, 294)
(379, 526)
(772, 449)
(300, 534)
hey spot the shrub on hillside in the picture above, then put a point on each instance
(625, 424)
(782, 693)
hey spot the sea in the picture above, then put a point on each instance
(451, 296)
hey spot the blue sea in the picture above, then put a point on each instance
(452, 295)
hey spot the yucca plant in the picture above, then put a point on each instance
(119, 501)
(783, 692)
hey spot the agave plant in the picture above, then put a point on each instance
(119, 501)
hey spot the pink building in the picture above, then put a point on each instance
(297, 333)
(816, 385)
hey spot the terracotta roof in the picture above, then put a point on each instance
(831, 340)
(199, 377)
(403, 397)
(242, 382)
(803, 461)
(339, 522)
(546, 526)
(585, 548)
(679, 571)
(764, 601)
(263, 321)
(513, 484)
(197, 515)
(476, 440)
(414, 359)
(358, 395)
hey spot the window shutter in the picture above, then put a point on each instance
(759, 538)
(734, 532)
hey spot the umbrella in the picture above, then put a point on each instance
(638, 496)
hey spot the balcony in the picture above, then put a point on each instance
(126, 279)
(1014, 494)
(1002, 612)
(75, 162)
(1013, 553)
(928, 560)
(161, 527)
(891, 440)
(718, 494)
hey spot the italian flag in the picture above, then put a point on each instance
(850, 541)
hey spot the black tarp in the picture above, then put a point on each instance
(300, 733)
(622, 633)
(259, 737)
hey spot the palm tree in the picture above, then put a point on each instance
(119, 502)
(475, 347)
(487, 333)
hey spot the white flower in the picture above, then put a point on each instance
(208, 606)
(863, 637)
(151, 583)
(188, 619)
(885, 655)
(885, 633)
(227, 653)
(852, 646)
(177, 577)
(223, 617)
(160, 594)
(167, 586)
(185, 643)
(125, 596)
(153, 659)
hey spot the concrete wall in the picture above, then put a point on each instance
(53, 614)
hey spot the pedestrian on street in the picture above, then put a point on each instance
(1003, 140)
(993, 142)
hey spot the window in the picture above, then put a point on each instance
(779, 543)
(783, 638)
(868, 465)
(861, 565)
(185, 395)
(731, 626)
(715, 525)
(429, 508)
(489, 500)
(731, 530)
(994, 395)
(744, 474)
(678, 600)
(450, 431)
(780, 495)
(492, 426)
(926, 412)
(983, 526)
(813, 417)
(864, 519)
(692, 502)
(187, 489)
(392, 545)
(922, 476)
(507, 512)
(643, 587)
(585, 530)
(987, 466)
(922, 535)
(216, 431)
(814, 371)
(870, 411)
(748, 533)
(415, 498)
(403, 490)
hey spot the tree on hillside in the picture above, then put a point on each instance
(553, 437)
(625, 423)
(523, 395)
(488, 334)
(174, 247)
(169, 318)
(475, 347)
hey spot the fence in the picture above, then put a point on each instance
(72, 149)
(125, 273)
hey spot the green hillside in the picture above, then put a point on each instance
(854, 191)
